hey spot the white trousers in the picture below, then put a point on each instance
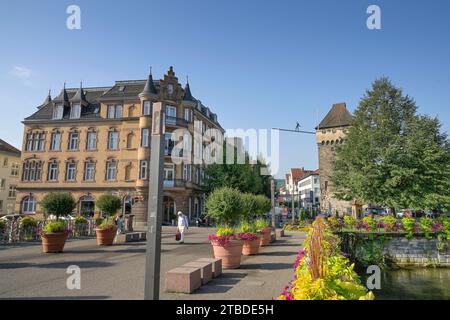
(181, 229)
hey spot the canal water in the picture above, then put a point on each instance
(413, 284)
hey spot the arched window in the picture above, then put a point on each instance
(131, 111)
(87, 206)
(128, 169)
(29, 205)
(130, 139)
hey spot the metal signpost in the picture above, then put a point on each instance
(155, 201)
(272, 191)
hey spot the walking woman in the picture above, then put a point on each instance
(183, 225)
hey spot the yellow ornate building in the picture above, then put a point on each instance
(91, 141)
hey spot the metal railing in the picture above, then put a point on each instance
(173, 121)
(13, 231)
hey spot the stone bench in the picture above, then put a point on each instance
(280, 233)
(183, 279)
(205, 268)
(131, 237)
(216, 265)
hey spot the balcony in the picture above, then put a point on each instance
(176, 122)
(174, 184)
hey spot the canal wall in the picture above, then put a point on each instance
(416, 252)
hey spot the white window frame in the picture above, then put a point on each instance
(52, 171)
(143, 170)
(113, 143)
(111, 170)
(145, 134)
(147, 108)
(74, 137)
(89, 171)
(71, 171)
(29, 205)
(91, 141)
(58, 112)
(56, 141)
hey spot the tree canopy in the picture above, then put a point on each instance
(246, 177)
(393, 156)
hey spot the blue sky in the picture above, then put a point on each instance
(257, 64)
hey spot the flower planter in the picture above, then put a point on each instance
(54, 242)
(105, 237)
(251, 247)
(230, 253)
(266, 237)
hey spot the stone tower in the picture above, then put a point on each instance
(329, 134)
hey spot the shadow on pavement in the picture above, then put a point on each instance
(60, 298)
(278, 253)
(222, 284)
(266, 266)
(57, 265)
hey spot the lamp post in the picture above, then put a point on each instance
(272, 193)
(293, 203)
(155, 201)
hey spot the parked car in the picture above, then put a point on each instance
(376, 211)
(10, 217)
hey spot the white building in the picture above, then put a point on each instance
(309, 190)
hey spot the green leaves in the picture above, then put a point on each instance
(109, 204)
(224, 205)
(392, 156)
(58, 204)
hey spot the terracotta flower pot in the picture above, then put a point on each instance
(54, 242)
(105, 237)
(266, 238)
(230, 253)
(251, 247)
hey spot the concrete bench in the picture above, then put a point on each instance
(216, 265)
(280, 233)
(205, 267)
(183, 279)
(131, 237)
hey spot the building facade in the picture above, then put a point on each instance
(309, 191)
(330, 133)
(291, 182)
(91, 141)
(9, 177)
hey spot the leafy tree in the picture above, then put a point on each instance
(391, 155)
(58, 204)
(246, 177)
(225, 206)
(109, 204)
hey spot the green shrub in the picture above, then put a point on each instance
(81, 220)
(261, 224)
(224, 205)
(107, 223)
(28, 222)
(98, 221)
(225, 231)
(350, 222)
(58, 204)
(2, 225)
(426, 227)
(248, 205)
(389, 222)
(446, 224)
(247, 227)
(109, 204)
(371, 222)
(55, 226)
(409, 226)
(263, 205)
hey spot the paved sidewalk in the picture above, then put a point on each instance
(118, 272)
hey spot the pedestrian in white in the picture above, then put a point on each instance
(183, 225)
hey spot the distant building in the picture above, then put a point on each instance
(291, 182)
(330, 133)
(309, 191)
(9, 177)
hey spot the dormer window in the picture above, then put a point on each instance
(75, 111)
(58, 111)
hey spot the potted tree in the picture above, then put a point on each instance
(249, 236)
(224, 206)
(55, 232)
(106, 231)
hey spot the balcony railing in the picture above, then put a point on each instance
(179, 122)
(176, 183)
